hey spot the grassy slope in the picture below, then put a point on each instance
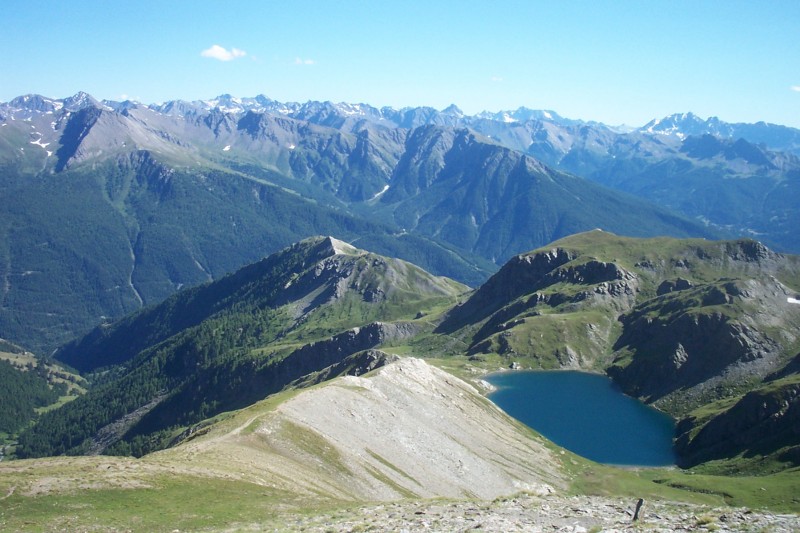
(568, 314)
(182, 501)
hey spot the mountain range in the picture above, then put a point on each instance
(171, 255)
(295, 383)
(111, 206)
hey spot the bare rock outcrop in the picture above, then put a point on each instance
(764, 420)
(526, 513)
(693, 341)
(523, 274)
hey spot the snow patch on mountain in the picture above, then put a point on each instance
(380, 193)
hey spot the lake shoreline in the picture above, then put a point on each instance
(588, 414)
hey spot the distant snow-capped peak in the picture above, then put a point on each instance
(680, 124)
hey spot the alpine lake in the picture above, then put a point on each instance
(587, 414)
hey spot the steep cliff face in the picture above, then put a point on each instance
(324, 354)
(690, 346)
(765, 422)
(522, 274)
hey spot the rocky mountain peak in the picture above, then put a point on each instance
(687, 123)
(454, 110)
(35, 103)
(319, 248)
(341, 247)
(80, 100)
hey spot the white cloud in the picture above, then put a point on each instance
(299, 61)
(796, 88)
(218, 52)
(496, 79)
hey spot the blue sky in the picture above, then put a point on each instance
(611, 61)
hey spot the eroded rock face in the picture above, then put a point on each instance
(751, 251)
(407, 430)
(521, 275)
(544, 284)
(317, 356)
(678, 284)
(589, 273)
(763, 420)
(686, 351)
(692, 343)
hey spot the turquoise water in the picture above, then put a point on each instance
(588, 415)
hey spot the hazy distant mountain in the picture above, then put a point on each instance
(732, 177)
(774, 136)
(733, 185)
(656, 162)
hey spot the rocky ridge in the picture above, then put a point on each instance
(407, 430)
(760, 422)
(230, 343)
(526, 513)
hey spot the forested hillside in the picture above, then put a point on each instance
(230, 343)
(28, 384)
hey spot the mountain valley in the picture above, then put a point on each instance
(227, 380)
(698, 328)
(288, 309)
